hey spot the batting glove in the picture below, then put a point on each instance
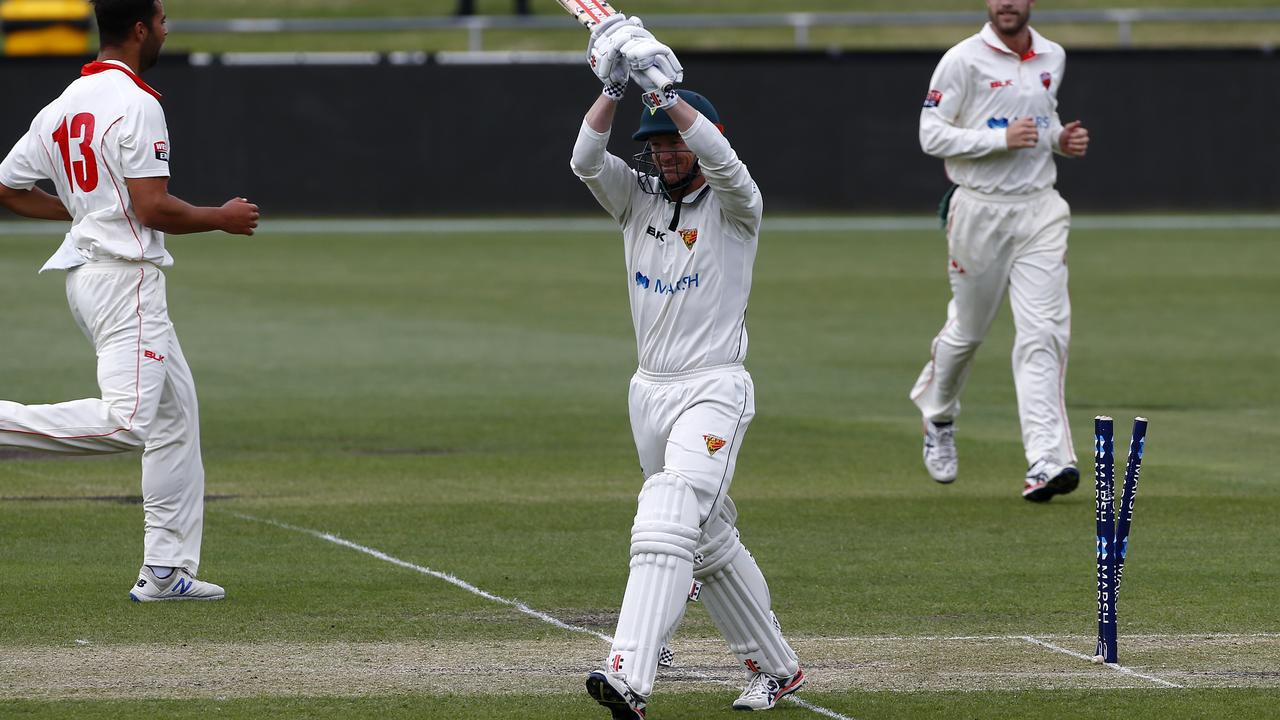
(603, 51)
(655, 69)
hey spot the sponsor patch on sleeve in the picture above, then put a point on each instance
(162, 151)
(932, 99)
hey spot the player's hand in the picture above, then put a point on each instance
(1074, 140)
(1022, 133)
(647, 54)
(239, 216)
(603, 51)
(655, 69)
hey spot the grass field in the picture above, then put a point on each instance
(405, 8)
(457, 401)
(941, 37)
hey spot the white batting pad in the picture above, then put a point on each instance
(663, 539)
(736, 596)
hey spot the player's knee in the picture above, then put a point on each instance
(666, 518)
(720, 542)
(1051, 336)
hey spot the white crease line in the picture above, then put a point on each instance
(452, 580)
(970, 638)
(1114, 666)
(433, 573)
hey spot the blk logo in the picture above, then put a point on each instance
(152, 355)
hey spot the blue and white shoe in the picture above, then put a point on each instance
(180, 585)
(764, 690)
(1045, 479)
(612, 691)
(940, 457)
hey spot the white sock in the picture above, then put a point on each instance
(161, 572)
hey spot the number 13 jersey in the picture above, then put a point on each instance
(107, 126)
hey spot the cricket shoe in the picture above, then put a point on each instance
(1044, 480)
(940, 457)
(612, 691)
(180, 585)
(764, 690)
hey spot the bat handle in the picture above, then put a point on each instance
(660, 80)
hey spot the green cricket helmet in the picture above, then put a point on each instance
(659, 123)
(654, 123)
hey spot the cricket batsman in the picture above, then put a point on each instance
(104, 144)
(992, 114)
(690, 216)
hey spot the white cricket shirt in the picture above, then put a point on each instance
(107, 126)
(688, 286)
(978, 88)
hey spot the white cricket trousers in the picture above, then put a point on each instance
(148, 402)
(1019, 243)
(692, 425)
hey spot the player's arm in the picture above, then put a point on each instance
(939, 134)
(727, 176)
(159, 210)
(19, 173)
(609, 177)
(34, 203)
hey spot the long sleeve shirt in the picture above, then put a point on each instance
(688, 287)
(979, 88)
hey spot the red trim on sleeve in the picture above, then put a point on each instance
(96, 67)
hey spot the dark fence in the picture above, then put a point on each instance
(1182, 130)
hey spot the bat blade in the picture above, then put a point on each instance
(588, 12)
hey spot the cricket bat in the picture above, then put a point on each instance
(593, 12)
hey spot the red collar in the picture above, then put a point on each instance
(98, 66)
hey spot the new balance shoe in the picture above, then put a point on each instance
(612, 691)
(180, 585)
(764, 691)
(940, 457)
(1045, 479)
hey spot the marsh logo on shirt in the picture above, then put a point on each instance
(932, 99)
(1042, 122)
(713, 443)
(162, 151)
(689, 237)
(662, 287)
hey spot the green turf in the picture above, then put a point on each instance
(882, 706)
(405, 8)
(458, 401)
(936, 37)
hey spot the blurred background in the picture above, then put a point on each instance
(426, 107)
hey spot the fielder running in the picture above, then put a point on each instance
(991, 113)
(105, 146)
(690, 216)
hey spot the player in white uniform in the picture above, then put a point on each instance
(690, 222)
(992, 114)
(105, 146)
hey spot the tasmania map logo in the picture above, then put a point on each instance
(689, 237)
(713, 443)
